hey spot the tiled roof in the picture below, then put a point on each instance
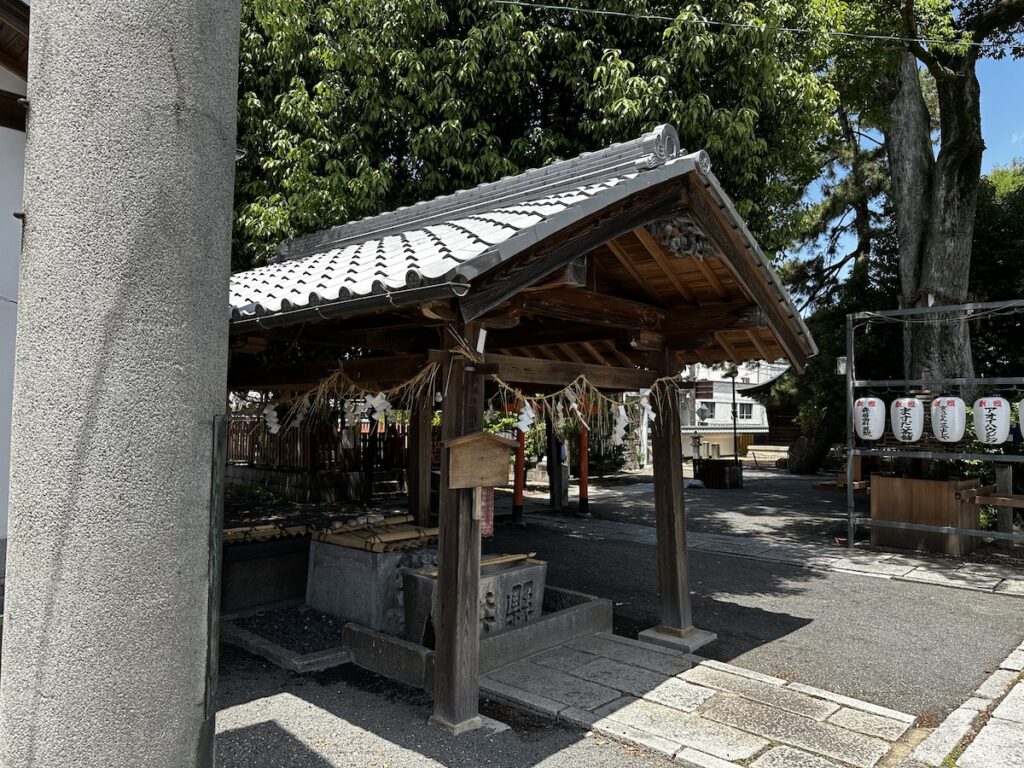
(452, 239)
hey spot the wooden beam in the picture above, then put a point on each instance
(528, 370)
(562, 247)
(12, 114)
(659, 253)
(619, 252)
(619, 355)
(371, 372)
(580, 306)
(568, 351)
(547, 332)
(762, 350)
(457, 646)
(669, 510)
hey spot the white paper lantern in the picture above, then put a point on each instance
(949, 419)
(869, 418)
(992, 420)
(907, 417)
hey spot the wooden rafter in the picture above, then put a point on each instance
(619, 355)
(727, 345)
(595, 353)
(569, 352)
(627, 263)
(762, 350)
(657, 252)
(711, 277)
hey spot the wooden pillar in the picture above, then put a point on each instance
(670, 514)
(584, 506)
(457, 618)
(554, 462)
(676, 628)
(370, 461)
(519, 483)
(419, 457)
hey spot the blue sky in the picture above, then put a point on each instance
(1002, 111)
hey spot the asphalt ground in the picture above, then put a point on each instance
(269, 718)
(917, 648)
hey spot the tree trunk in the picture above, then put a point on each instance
(935, 200)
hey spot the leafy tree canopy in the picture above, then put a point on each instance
(351, 107)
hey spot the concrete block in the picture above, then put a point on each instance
(567, 689)
(260, 573)
(846, 701)
(1013, 587)
(679, 694)
(511, 595)
(280, 656)
(636, 737)
(997, 684)
(945, 738)
(687, 642)
(688, 729)
(580, 718)
(1014, 662)
(579, 620)
(654, 658)
(353, 585)
(869, 724)
(518, 697)
(794, 730)
(693, 758)
(1000, 743)
(740, 671)
(1012, 707)
(390, 656)
(787, 757)
(562, 657)
(977, 704)
(772, 695)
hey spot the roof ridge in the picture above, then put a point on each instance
(650, 150)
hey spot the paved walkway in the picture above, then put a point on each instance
(699, 712)
(981, 577)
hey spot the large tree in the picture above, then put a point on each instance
(350, 107)
(935, 193)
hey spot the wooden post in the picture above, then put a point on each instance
(584, 507)
(370, 461)
(554, 462)
(676, 630)
(670, 515)
(1004, 486)
(419, 457)
(457, 646)
(520, 479)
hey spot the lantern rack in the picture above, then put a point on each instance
(915, 314)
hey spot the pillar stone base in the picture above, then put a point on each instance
(686, 640)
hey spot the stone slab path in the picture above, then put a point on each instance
(987, 731)
(697, 711)
(998, 579)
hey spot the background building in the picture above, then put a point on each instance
(708, 412)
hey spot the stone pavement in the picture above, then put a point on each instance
(699, 712)
(987, 731)
(981, 577)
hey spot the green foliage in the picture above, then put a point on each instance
(347, 108)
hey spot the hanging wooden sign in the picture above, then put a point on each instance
(479, 460)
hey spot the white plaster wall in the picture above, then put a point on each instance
(12, 164)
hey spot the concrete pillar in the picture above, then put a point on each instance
(120, 370)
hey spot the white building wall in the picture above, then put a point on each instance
(12, 164)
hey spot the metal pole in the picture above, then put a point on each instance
(851, 526)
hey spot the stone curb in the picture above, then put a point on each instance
(280, 656)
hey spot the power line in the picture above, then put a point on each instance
(8, 300)
(759, 27)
